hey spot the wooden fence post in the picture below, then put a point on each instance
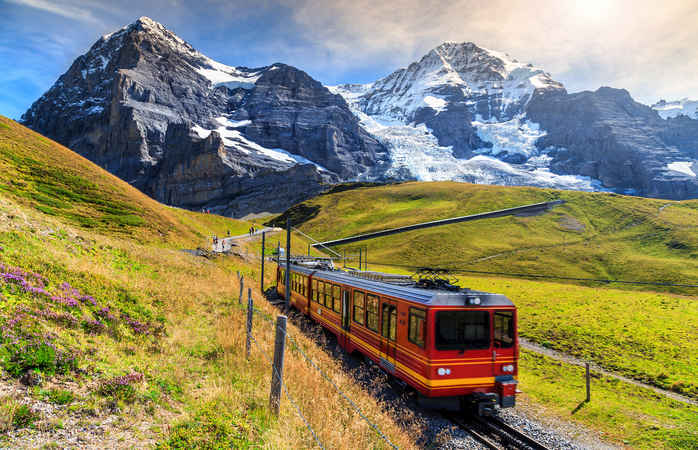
(278, 367)
(250, 312)
(242, 283)
(588, 377)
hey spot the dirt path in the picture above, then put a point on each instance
(532, 346)
(227, 243)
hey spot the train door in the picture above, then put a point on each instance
(344, 337)
(388, 335)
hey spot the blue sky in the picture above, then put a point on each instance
(647, 47)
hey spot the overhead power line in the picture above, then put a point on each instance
(537, 275)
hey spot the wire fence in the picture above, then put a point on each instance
(341, 392)
(533, 275)
(288, 395)
(268, 318)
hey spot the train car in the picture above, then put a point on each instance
(457, 348)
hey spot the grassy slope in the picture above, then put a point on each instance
(618, 237)
(171, 317)
(651, 336)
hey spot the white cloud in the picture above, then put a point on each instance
(645, 46)
(80, 13)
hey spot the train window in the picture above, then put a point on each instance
(328, 295)
(372, 312)
(417, 326)
(462, 330)
(313, 289)
(359, 307)
(337, 297)
(504, 329)
(389, 324)
(321, 292)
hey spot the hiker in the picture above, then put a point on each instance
(228, 233)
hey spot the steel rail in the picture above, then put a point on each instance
(481, 438)
(526, 209)
(508, 432)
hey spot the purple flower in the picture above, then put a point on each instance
(93, 326)
(87, 298)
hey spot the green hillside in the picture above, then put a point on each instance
(133, 342)
(596, 235)
(649, 333)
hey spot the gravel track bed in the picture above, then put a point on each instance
(437, 431)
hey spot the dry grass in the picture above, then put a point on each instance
(203, 352)
(197, 381)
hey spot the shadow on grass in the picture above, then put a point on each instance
(580, 406)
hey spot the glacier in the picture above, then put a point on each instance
(494, 87)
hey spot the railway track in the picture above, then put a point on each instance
(493, 433)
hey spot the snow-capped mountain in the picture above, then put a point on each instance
(196, 133)
(459, 114)
(684, 107)
(467, 113)
(193, 132)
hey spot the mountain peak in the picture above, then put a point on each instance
(147, 21)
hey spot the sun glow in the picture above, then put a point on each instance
(596, 10)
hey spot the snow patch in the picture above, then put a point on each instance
(94, 110)
(234, 139)
(436, 103)
(684, 167)
(413, 148)
(221, 75)
(686, 107)
(517, 135)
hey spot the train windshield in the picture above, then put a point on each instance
(504, 329)
(462, 330)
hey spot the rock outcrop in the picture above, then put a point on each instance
(466, 113)
(195, 133)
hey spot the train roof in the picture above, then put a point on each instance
(431, 297)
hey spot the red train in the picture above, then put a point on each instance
(457, 349)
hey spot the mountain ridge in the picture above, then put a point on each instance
(466, 113)
(197, 133)
(149, 108)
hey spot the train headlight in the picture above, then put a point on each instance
(473, 300)
(508, 368)
(443, 371)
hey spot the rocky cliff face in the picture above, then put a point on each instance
(467, 113)
(195, 133)
(608, 136)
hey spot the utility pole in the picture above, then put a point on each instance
(261, 282)
(288, 262)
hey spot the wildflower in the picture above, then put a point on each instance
(93, 326)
